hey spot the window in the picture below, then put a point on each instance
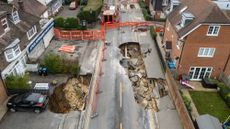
(206, 52)
(5, 24)
(187, 18)
(12, 53)
(15, 17)
(213, 30)
(31, 32)
(197, 73)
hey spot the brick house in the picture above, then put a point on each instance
(198, 33)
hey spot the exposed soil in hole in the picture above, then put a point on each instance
(70, 96)
(142, 86)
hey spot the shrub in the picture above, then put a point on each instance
(142, 4)
(53, 63)
(89, 16)
(91, 11)
(17, 81)
(224, 92)
(59, 22)
(187, 102)
(153, 32)
(59, 65)
(71, 22)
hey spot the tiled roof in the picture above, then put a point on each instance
(32, 6)
(204, 11)
(18, 30)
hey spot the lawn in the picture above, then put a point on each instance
(210, 103)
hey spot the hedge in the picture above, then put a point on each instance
(224, 92)
(145, 10)
(153, 32)
(91, 11)
(68, 23)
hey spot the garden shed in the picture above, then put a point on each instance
(208, 122)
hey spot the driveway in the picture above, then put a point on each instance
(44, 120)
(66, 12)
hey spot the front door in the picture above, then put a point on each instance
(198, 73)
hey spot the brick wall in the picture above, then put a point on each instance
(3, 94)
(176, 97)
(198, 39)
(171, 35)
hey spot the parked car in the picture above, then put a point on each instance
(28, 101)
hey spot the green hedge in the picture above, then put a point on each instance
(68, 23)
(59, 65)
(224, 92)
(17, 82)
(145, 10)
(153, 32)
(91, 11)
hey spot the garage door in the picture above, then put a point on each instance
(47, 38)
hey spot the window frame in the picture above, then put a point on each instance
(15, 15)
(34, 30)
(213, 30)
(5, 23)
(201, 53)
(13, 52)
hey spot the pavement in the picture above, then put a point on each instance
(44, 120)
(66, 12)
(167, 116)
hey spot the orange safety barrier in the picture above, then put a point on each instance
(79, 34)
(97, 34)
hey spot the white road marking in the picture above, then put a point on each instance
(120, 125)
(120, 95)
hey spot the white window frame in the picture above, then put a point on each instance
(206, 52)
(5, 22)
(14, 52)
(206, 71)
(31, 32)
(213, 32)
(15, 17)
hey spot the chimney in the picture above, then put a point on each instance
(20, 4)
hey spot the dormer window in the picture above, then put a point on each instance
(213, 30)
(186, 18)
(174, 4)
(5, 24)
(12, 53)
(31, 32)
(15, 17)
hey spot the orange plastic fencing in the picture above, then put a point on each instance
(79, 34)
(97, 34)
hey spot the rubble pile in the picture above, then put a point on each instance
(143, 89)
(70, 96)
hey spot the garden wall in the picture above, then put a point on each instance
(185, 119)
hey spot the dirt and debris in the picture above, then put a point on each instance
(142, 86)
(71, 95)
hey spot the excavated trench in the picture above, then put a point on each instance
(70, 96)
(142, 86)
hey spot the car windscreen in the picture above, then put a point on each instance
(33, 97)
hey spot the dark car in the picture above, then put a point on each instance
(28, 101)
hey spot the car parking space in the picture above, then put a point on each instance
(44, 120)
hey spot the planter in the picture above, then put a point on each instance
(209, 83)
